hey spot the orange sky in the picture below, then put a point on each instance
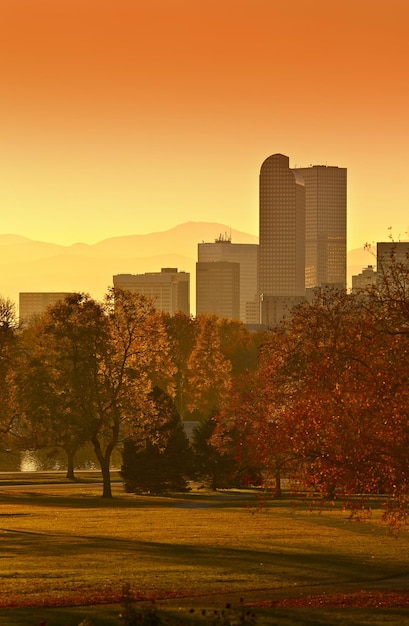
(130, 116)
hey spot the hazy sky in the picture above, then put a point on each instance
(130, 116)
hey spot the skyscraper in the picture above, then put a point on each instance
(281, 275)
(282, 229)
(302, 233)
(325, 225)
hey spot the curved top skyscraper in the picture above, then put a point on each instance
(302, 238)
(282, 229)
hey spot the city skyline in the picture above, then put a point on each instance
(117, 122)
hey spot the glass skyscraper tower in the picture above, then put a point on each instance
(302, 238)
(282, 229)
(325, 225)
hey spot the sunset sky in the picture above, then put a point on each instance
(125, 117)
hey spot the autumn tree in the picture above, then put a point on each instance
(181, 330)
(105, 358)
(251, 425)
(337, 390)
(225, 350)
(49, 371)
(321, 389)
(132, 359)
(209, 371)
(240, 346)
(213, 466)
(8, 345)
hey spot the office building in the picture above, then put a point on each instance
(168, 289)
(218, 288)
(281, 272)
(363, 282)
(224, 251)
(325, 225)
(302, 239)
(389, 253)
(282, 229)
(35, 303)
(392, 262)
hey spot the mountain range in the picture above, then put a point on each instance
(28, 265)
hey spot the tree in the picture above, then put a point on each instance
(251, 425)
(54, 374)
(105, 358)
(218, 456)
(133, 359)
(181, 330)
(321, 389)
(208, 370)
(51, 415)
(239, 345)
(162, 462)
(340, 385)
(8, 348)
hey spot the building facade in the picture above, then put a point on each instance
(218, 288)
(325, 225)
(169, 289)
(389, 253)
(281, 271)
(224, 251)
(32, 304)
(362, 283)
(302, 238)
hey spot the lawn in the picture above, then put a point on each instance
(66, 554)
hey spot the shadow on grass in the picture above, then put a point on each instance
(108, 616)
(83, 495)
(277, 568)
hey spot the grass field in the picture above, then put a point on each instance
(66, 554)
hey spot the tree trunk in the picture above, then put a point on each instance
(70, 464)
(278, 491)
(106, 478)
(104, 462)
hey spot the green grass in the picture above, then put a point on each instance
(62, 546)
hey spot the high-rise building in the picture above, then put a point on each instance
(223, 250)
(218, 288)
(168, 289)
(302, 233)
(325, 225)
(32, 304)
(281, 271)
(282, 229)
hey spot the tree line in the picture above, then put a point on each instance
(115, 373)
(328, 404)
(321, 401)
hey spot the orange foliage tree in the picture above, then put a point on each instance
(328, 403)
(209, 371)
(99, 364)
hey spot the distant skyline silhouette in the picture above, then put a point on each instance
(29, 265)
